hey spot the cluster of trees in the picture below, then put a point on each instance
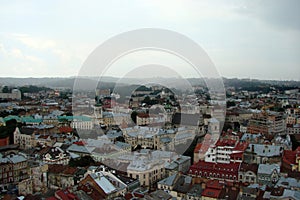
(8, 130)
(5, 113)
(6, 89)
(82, 162)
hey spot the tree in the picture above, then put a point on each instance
(146, 100)
(82, 162)
(133, 116)
(230, 104)
(8, 130)
(120, 139)
(5, 89)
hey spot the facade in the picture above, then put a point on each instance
(78, 122)
(15, 95)
(60, 176)
(261, 153)
(293, 129)
(291, 160)
(266, 123)
(38, 174)
(143, 119)
(220, 171)
(56, 155)
(249, 193)
(13, 169)
(104, 184)
(248, 173)
(268, 174)
(226, 151)
(25, 187)
(179, 164)
(110, 151)
(147, 171)
(25, 141)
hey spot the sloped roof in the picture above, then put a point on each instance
(170, 181)
(268, 168)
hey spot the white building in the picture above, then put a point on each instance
(15, 95)
(23, 140)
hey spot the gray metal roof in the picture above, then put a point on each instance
(268, 168)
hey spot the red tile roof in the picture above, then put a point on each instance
(62, 169)
(208, 169)
(143, 115)
(289, 156)
(212, 193)
(253, 167)
(79, 143)
(4, 141)
(197, 148)
(52, 198)
(226, 142)
(214, 184)
(241, 146)
(65, 195)
(65, 129)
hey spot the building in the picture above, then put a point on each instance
(288, 183)
(219, 171)
(293, 129)
(262, 153)
(250, 193)
(78, 122)
(281, 193)
(146, 169)
(179, 164)
(266, 123)
(61, 176)
(248, 173)
(291, 160)
(202, 148)
(212, 190)
(25, 141)
(268, 174)
(106, 185)
(15, 95)
(143, 119)
(38, 173)
(13, 169)
(226, 151)
(179, 186)
(56, 155)
(110, 151)
(25, 187)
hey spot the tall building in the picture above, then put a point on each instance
(15, 94)
(266, 123)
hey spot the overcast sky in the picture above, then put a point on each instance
(244, 39)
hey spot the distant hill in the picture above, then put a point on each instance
(106, 81)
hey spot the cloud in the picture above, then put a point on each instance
(25, 55)
(36, 43)
(280, 14)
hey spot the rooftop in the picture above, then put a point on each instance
(268, 168)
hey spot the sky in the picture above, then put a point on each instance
(244, 39)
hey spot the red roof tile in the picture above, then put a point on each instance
(65, 129)
(241, 146)
(212, 193)
(197, 148)
(214, 184)
(226, 142)
(79, 143)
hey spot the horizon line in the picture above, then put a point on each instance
(69, 77)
